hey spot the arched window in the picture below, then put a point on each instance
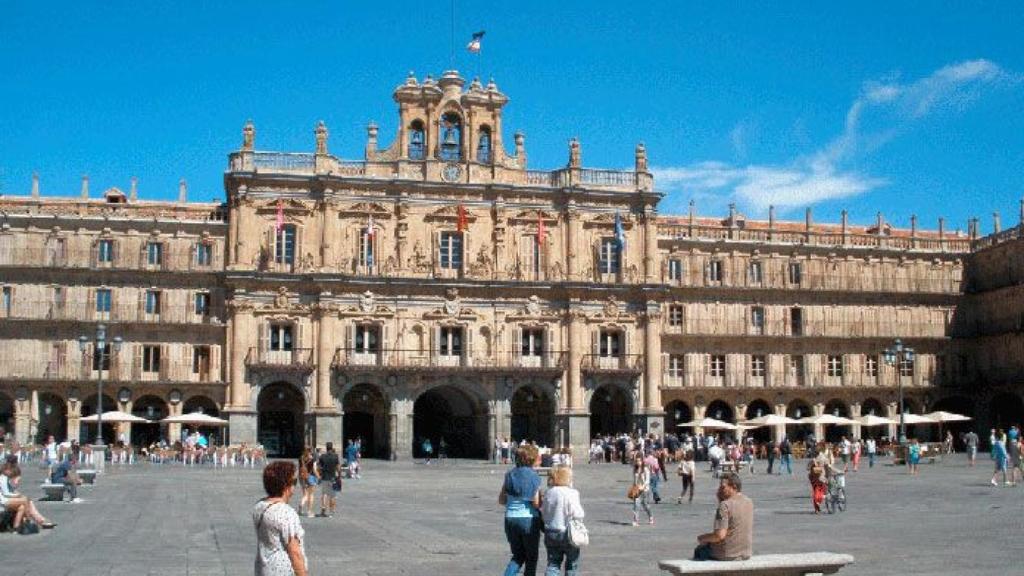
(416, 141)
(483, 146)
(450, 137)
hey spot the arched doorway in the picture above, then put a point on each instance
(720, 410)
(957, 405)
(366, 419)
(532, 416)
(1006, 410)
(910, 406)
(677, 412)
(154, 409)
(835, 432)
(449, 414)
(6, 415)
(53, 418)
(872, 407)
(280, 421)
(798, 409)
(756, 409)
(205, 405)
(88, 431)
(611, 411)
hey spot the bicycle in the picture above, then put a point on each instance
(835, 500)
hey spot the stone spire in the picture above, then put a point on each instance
(371, 139)
(997, 223)
(133, 193)
(641, 158)
(35, 185)
(321, 138)
(182, 191)
(248, 136)
(85, 186)
(520, 140)
(575, 159)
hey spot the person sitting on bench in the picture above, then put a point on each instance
(67, 474)
(733, 534)
(10, 477)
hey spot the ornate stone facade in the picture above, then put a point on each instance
(441, 289)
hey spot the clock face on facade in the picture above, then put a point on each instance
(451, 172)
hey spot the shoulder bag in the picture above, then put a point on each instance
(634, 492)
(576, 531)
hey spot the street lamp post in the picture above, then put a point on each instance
(103, 355)
(895, 355)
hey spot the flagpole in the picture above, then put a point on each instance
(451, 46)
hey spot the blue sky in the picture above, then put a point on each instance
(903, 108)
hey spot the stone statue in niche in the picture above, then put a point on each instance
(482, 266)
(307, 262)
(632, 273)
(419, 261)
(389, 266)
(555, 271)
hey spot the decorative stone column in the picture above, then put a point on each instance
(699, 410)
(22, 416)
(74, 417)
(327, 419)
(174, 430)
(651, 395)
(241, 413)
(575, 419)
(401, 428)
(779, 431)
(819, 430)
(892, 412)
(855, 414)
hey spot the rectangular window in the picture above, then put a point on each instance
(281, 337)
(204, 254)
(450, 247)
(610, 343)
(103, 300)
(675, 270)
(757, 366)
(202, 301)
(675, 315)
(757, 319)
(154, 253)
(7, 300)
(835, 365)
(796, 365)
(717, 365)
(101, 357)
(451, 341)
(871, 366)
(366, 255)
(201, 360)
(367, 339)
(795, 273)
(675, 365)
(150, 358)
(610, 261)
(715, 271)
(538, 254)
(754, 274)
(533, 342)
(796, 321)
(906, 367)
(105, 251)
(284, 247)
(152, 302)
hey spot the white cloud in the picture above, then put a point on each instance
(883, 109)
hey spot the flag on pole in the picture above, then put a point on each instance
(540, 227)
(620, 234)
(279, 223)
(462, 218)
(474, 44)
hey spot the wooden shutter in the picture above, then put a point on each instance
(435, 347)
(467, 344)
(297, 260)
(517, 344)
(385, 343)
(464, 267)
(350, 339)
(137, 351)
(598, 269)
(549, 346)
(263, 344)
(269, 240)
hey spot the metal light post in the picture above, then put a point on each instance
(100, 349)
(895, 355)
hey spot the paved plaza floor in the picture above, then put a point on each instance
(408, 518)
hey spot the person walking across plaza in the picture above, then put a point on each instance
(871, 447)
(279, 534)
(786, 456)
(971, 441)
(999, 456)
(817, 470)
(561, 503)
(914, 457)
(330, 480)
(855, 451)
(309, 479)
(520, 495)
(641, 490)
(687, 471)
(732, 537)
(655, 467)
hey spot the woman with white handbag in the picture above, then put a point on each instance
(564, 532)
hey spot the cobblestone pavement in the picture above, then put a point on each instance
(405, 518)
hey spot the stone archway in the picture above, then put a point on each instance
(611, 411)
(53, 418)
(154, 409)
(835, 432)
(88, 431)
(798, 409)
(205, 405)
(6, 415)
(533, 416)
(720, 410)
(452, 420)
(756, 409)
(676, 412)
(873, 407)
(366, 420)
(280, 420)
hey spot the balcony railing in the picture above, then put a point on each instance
(296, 358)
(43, 257)
(889, 328)
(120, 370)
(794, 379)
(631, 363)
(346, 358)
(76, 311)
(865, 282)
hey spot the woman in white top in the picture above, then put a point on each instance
(560, 504)
(279, 550)
(687, 470)
(642, 480)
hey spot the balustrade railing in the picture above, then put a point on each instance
(119, 369)
(296, 357)
(620, 363)
(45, 257)
(780, 280)
(415, 358)
(133, 312)
(890, 328)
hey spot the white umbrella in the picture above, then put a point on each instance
(827, 419)
(909, 418)
(870, 420)
(769, 420)
(941, 416)
(114, 416)
(708, 423)
(196, 419)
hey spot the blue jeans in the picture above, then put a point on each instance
(785, 463)
(655, 481)
(559, 550)
(871, 459)
(523, 535)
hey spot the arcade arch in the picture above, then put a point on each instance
(533, 414)
(452, 420)
(611, 411)
(280, 420)
(366, 419)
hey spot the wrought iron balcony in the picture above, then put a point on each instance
(888, 327)
(621, 364)
(300, 359)
(349, 359)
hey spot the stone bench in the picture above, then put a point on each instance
(763, 565)
(87, 476)
(53, 491)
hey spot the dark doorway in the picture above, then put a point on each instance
(798, 409)
(87, 433)
(756, 409)
(6, 415)
(873, 407)
(281, 421)
(452, 421)
(611, 411)
(677, 412)
(151, 408)
(366, 417)
(53, 418)
(1006, 410)
(532, 416)
(835, 432)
